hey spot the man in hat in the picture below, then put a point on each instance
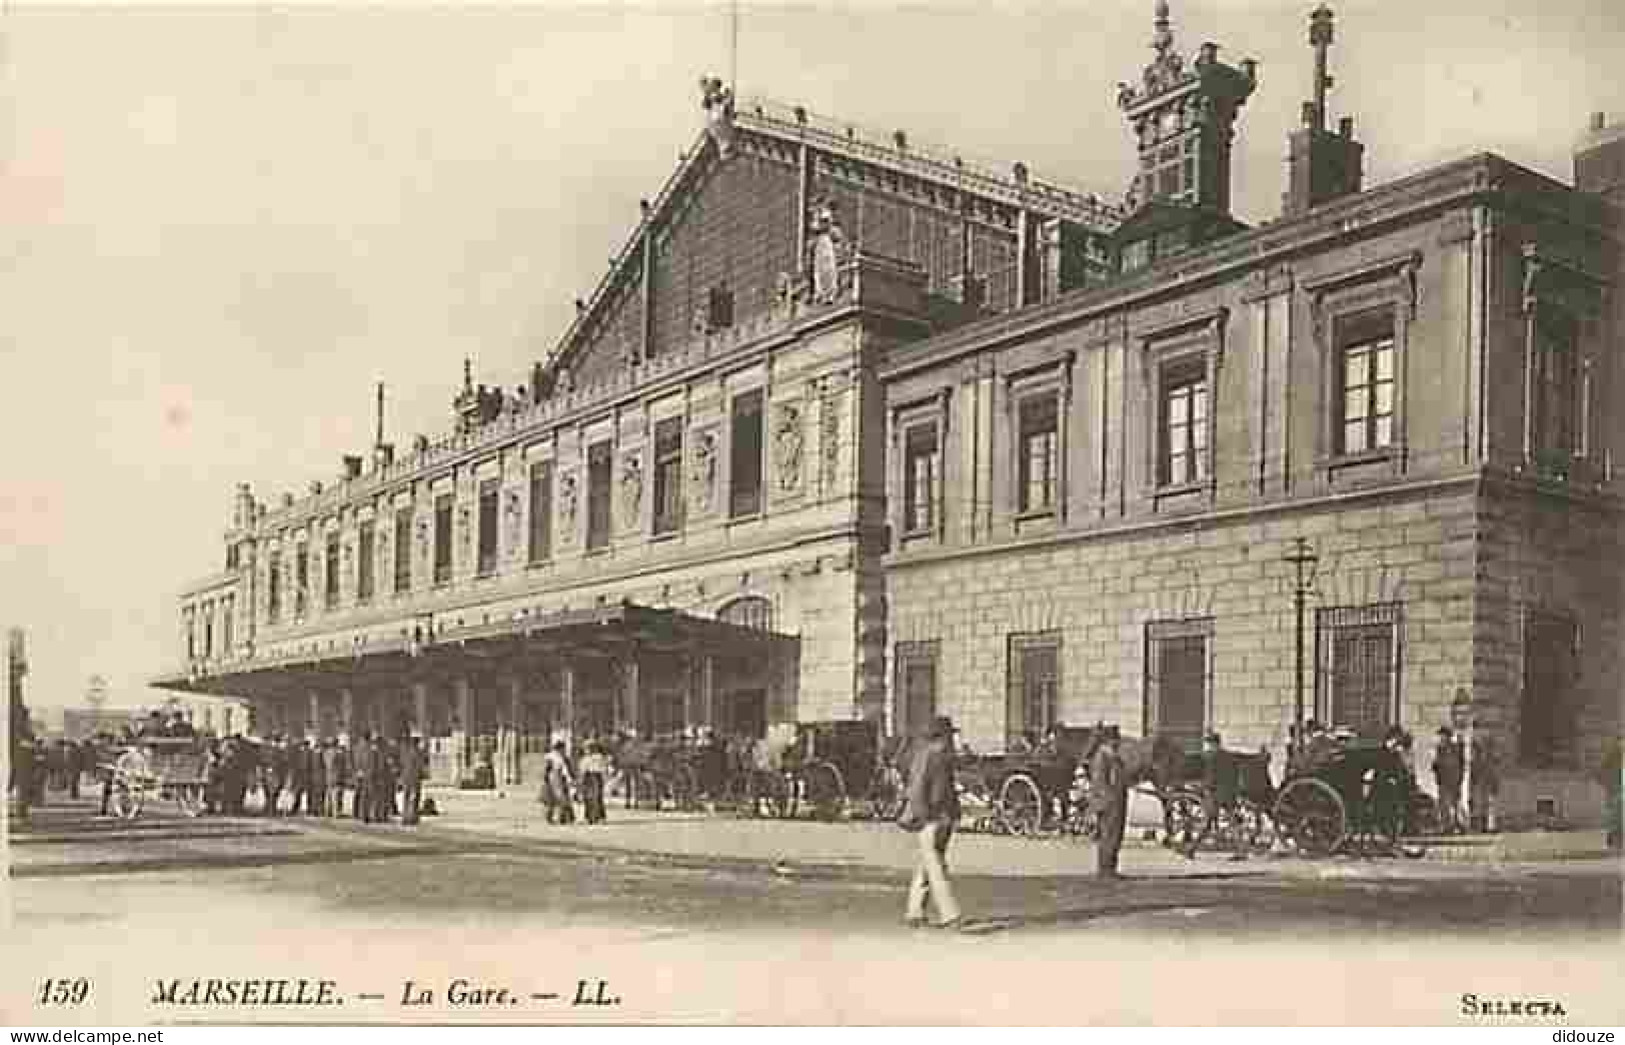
(1449, 760)
(558, 786)
(930, 812)
(412, 772)
(1109, 788)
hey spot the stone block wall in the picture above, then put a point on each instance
(1100, 592)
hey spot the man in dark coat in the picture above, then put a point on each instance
(931, 811)
(1108, 783)
(361, 765)
(412, 772)
(382, 786)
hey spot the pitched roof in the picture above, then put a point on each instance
(794, 125)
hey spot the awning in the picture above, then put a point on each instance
(615, 632)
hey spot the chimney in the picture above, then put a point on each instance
(383, 455)
(1321, 166)
(352, 466)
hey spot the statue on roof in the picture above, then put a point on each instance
(718, 102)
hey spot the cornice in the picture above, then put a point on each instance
(1479, 178)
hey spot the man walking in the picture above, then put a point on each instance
(1107, 781)
(411, 777)
(930, 812)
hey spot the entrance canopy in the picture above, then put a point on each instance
(615, 632)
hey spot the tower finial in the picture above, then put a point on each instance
(1320, 38)
(1162, 37)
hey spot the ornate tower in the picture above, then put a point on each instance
(1184, 120)
(1321, 166)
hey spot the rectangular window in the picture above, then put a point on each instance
(366, 561)
(403, 550)
(1182, 453)
(921, 470)
(191, 633)
(301, 580)
(1548, 719)
(1366, 380)
(541, 511)
(1357, 667)
(598, 495)
(916, 703)
(1177, 678)
(668, 477)
(273, 589)
(1553, 397)
(1034, 686)
(490, 495)
(1137, 255)
(745, 461)
(208, 630)
(1039, 448)
(330, 572)
(442, 538)
(227, 626)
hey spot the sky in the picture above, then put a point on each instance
(222, 225)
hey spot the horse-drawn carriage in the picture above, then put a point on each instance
(1218, 795)
(1355, 796)
(159, 767)
(662, 770)
(1034, 787)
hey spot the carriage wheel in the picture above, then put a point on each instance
(190, 799)
(1310, 814)
(1021, 804)
(127, 801)
(826, 791)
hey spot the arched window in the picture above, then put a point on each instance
(751, 611)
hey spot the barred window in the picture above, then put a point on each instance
(1033, 665)
(915, 702)
(1178, 677)
(1357, 662)
(1548, 712)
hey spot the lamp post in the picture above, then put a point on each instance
(1304, 559)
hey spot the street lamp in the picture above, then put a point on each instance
(1304, 559)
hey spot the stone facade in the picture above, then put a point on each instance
(1438, 546)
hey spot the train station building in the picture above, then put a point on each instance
(856, 429)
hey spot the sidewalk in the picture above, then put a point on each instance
(807, 846)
